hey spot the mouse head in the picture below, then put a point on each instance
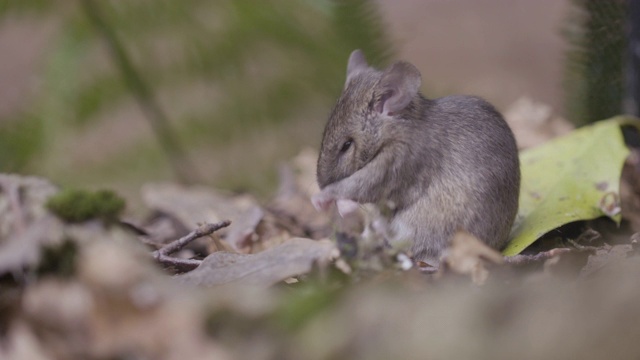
(361, 123)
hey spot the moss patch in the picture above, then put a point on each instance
(74, 205)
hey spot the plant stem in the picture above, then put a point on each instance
(184, 171)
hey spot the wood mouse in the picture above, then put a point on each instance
(443, 164)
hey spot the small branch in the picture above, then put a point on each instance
(204, 230)
(528, 259)
(180, 265)
(162, 254)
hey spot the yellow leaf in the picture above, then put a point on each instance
(575, 177)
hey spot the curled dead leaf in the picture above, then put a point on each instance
(467, 255)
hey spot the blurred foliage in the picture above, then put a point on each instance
(594, 71)
(24, 6)
(20, 140)
(223, 72)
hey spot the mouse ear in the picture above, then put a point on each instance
(356, 64)
(399, 84)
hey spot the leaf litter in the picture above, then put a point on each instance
(285, 282)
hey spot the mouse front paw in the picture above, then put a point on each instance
(322, 201)
(346, 207)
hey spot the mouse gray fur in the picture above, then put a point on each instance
(445, 164)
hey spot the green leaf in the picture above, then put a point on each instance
(575, 177)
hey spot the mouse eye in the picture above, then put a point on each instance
(346, 145)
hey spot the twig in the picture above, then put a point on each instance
(162, 254)
(143, 94)
(204, 230)
(180, 265)
(528, 259)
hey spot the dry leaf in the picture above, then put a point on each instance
(25, 223)
(242, 229)
(291, 206)
(468, 256)
(22, 200)
(605, 256)
(292, 258)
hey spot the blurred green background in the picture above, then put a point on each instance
(118, 93)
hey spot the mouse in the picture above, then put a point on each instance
(439, 165)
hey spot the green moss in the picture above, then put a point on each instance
(59, 260)
(74, 205)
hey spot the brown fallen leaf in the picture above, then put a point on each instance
(241, 233)
(468, 256)
(605, 256)
(294, 257)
